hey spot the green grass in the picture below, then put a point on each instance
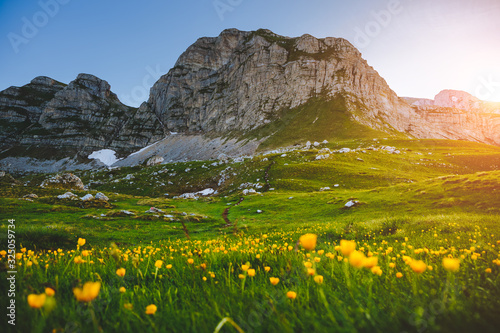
(442, 197)
(316, 120)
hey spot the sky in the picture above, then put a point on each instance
(419, 47)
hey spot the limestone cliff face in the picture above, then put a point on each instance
(83, 115)
(22, 106)
(242, 80)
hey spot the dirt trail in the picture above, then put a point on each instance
(266, 176)
(226, 212)
(264, 189)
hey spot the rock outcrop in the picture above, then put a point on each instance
(67, 181)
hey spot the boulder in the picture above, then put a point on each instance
(67, 181)
(155, 160)
(222, 157)
(351, 203)
(100, 196)
(88, 197)
(68, 195)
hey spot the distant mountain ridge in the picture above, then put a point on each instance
(456, 99)
(234, 94)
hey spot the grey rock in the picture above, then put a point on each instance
(101, 196)
(155, 160)
(68, 195)
(88, 197)
(64, 181)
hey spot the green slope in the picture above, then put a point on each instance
(317, 120)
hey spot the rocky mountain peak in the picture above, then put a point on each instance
(452, 99)
(93, 85)
(241, 80)
(45, 81)
(308, 43)
(457, 99)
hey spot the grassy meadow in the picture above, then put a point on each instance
(417, 252)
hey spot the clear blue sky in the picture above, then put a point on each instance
(419, 47)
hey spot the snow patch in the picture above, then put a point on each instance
(106, 156)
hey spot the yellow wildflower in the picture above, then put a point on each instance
(50, 292)
(151, 309)
(36, 301)
(81, 241)
(89, 291)
(376, 270)
(451, 264)
(308, 241)
(318, 279)
(356, 259)
(347, 247)
(418, 266)
(370, 262)
(78, 260)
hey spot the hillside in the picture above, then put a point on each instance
(405, 178)
(179, 235)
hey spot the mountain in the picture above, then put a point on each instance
(456, 99)
(276, 91)
(234, 94)
(48, 125)
(459, 115)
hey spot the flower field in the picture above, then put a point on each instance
(275, 282)
(418, 251)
